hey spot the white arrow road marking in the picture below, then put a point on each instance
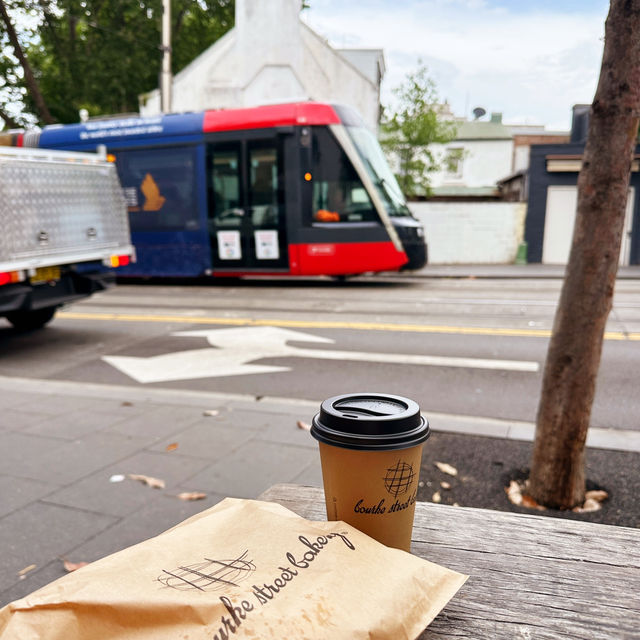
(237, 347)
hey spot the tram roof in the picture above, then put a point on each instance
(116, 130)
(273, 115)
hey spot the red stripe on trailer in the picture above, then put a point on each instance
(277, 115)
(334, 258)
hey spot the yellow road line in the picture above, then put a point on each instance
(322, 324)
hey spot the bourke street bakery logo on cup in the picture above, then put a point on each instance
(398, 480)
(370, 450)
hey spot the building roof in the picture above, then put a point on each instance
(478, 130)
(453, 191)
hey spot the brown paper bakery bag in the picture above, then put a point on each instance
(242, 569)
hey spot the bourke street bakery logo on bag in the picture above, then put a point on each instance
(398, 481)
(212, 575)
(245, 569)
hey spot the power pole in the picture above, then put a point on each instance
(165, 76)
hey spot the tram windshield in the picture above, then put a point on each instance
(379, 170)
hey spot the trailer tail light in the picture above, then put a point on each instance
(120, 261)
(9, 277)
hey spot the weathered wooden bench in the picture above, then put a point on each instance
(531, 577)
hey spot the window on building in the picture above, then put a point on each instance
(453, 161)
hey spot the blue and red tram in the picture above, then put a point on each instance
(295, 189)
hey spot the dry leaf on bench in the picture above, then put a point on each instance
(73, 566)
(171, 447)
(445, 485)
(303, 425)
(191, 495)
(447, 468)
(436, 497)
(154, 483)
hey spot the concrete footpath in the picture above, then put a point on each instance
(68, 450)
(499, 271)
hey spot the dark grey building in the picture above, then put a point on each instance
(552, 184)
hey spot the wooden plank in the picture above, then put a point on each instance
(530, 576)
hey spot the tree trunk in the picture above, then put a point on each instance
(557, 477)
(29, 78)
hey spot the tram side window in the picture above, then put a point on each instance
(338, 193)
(227, 207)
(159, 187)
(263, 185)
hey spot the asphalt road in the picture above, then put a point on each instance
(472, 347)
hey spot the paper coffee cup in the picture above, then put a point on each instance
(370, 451)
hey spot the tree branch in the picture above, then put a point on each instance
(9, 121)
(32, 84)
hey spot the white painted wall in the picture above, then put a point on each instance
(472, 232)
(485, 162)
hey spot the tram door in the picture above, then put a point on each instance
(247, 224)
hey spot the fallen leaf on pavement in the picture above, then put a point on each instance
(23, 572)
(154, 483)
(210, 412)
(445, 485)
(447, 468)
(118, 477)
(192, 495)
(72, 566)
(171, 447)
(588, 506)
(436, 497)
(126, 403)
(529, 502)
(597, 495)
(303, 425)
(516, 496)
(514, 492)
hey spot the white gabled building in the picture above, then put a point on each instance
(473, 163)
(272, 56)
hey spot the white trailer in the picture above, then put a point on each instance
(64, 225)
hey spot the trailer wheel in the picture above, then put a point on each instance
(29, 320)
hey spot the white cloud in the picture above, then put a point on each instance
(532, 65)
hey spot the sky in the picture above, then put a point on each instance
(530, 60)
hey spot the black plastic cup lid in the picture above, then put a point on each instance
(370, 421)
